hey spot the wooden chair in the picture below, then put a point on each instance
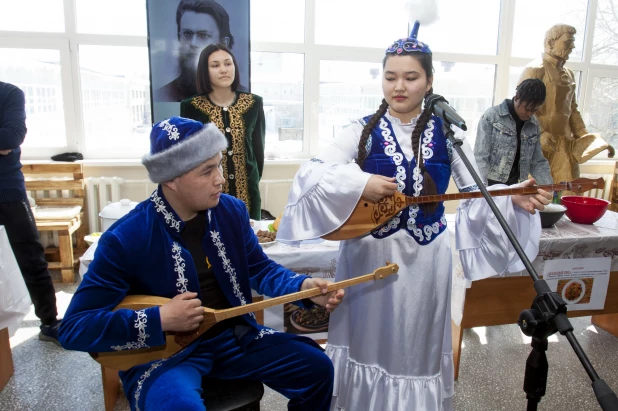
(613, 195)
(603, 194)
(49, 185)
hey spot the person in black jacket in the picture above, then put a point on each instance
(16, 215)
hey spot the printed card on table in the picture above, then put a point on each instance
(581, 282)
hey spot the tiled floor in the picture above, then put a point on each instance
(491, 378)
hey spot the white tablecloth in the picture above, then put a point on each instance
(14, 297)
(566, 240)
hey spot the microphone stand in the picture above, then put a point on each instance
(546, 316)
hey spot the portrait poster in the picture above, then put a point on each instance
(178, 30)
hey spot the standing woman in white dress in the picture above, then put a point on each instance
(390, 341)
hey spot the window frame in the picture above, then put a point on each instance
(68, 43)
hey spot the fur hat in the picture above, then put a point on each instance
(178, 145)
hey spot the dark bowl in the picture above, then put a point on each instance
(551, 214)
(584, 210)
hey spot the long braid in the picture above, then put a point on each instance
(429, 186)
(362, 144)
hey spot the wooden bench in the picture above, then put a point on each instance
(45, 184)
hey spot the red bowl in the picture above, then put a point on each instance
(584, 210)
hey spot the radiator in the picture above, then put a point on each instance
(100, 191)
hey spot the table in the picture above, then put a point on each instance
(493, 301)
(14, 304)
(499, 300)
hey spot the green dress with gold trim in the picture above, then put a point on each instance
(244, 127)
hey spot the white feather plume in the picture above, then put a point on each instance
(423, 11)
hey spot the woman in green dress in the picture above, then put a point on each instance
(240, 116)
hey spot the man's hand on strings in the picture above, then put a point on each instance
(532, 202)
(184, 312)
(331, 300)
(379, 186)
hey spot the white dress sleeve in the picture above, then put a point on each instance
(484, 248)
(325, 190)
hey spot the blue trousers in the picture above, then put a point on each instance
(297, 370)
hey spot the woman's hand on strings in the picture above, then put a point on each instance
(331, 300)
(532, 202)
(379, 186)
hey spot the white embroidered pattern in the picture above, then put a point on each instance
(227, 266)
(160, 207)
(295, 276)
(179, 268)
(140, 323)
(140, 382)
(266, 331)
(391, 150)
(427, 139)
(434, 228)
(412, 222)
(427, 148)
(418, 181)
(391, 225)
(401, 178)
(172, 130)
(427, 153)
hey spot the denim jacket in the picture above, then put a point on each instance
(496, 144)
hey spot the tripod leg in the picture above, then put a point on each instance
(535, 380)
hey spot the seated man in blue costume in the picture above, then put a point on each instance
(193, 244)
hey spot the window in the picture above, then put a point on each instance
(126, 17)
(84, 68)
(469, 89)
(478, 35)
(278, 78)
(37, 74)
(32, 15)
(533, 18)
(605, 45)
(358, 23)
(113, 75)
(348, 91)
(278, 20)
(601, 114)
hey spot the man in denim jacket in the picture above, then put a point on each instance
(508, 146)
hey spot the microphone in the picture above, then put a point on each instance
(439, 106)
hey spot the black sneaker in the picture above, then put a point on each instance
(50, 332)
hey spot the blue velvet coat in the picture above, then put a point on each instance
(143, 253)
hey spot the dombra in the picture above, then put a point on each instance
(174, 342)
(368, 215)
